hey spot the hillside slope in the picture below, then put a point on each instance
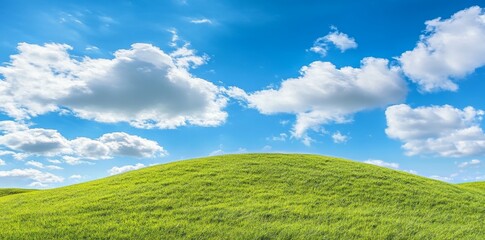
(250, 196)
(479, 186)
(11, 191)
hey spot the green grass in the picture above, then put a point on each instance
(480, 186)
(250, 196)
(11, 191)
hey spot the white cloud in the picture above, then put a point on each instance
(280, 138)
(91, 48)
(123, 144)
(39, 141)
(382, 163)
(412, 172)
(201, 21)
(33, 174)
(122, 169)
(437, 130)
(216, 152)
(35, 164)
(55, 161)
(185, 57)
(2, 163)
(341, 40)
(142, 86)
(339, 138)
(12, 126)
(49, 142)
(38, 184)
(175, 37)
(324, 94)
(76, 176)
(3, 153)
(442, 178)
(53, 167)
(473, 162)
(449, 50)
(267, 148)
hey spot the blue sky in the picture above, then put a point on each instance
(94, 89)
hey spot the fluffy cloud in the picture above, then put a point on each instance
(450, 49)
(142, 86)
(2, 163)
(382, 163)
(122, 169)
(40, 178)
(49, 142)
(339, 138)
(438, 130)
(341, 40)
(325, 94)
(39, 141)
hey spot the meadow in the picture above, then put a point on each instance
(250, 196)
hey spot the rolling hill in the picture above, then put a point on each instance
(479, 186)
(11, 191)
(250, 196)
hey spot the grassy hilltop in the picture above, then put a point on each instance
(250, 196)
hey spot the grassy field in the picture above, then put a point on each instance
(11, 191)
(250, 196)
(480, 186)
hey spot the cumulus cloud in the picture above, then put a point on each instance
(40, 178)
(324, 94)
(341, 40)
(449, 50)
(2, 163)
(12, 126)
(337, 137)
(382, 163)
(437, 130)
(473, 162)
(143, 86)
(122, 169)
(49, 142)
(39, 141)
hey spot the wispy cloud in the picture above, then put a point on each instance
(382, 163)
(473, 162)
(201, 21)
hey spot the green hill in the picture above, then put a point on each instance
(480, 186)
(11, 191)
(250, 196)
